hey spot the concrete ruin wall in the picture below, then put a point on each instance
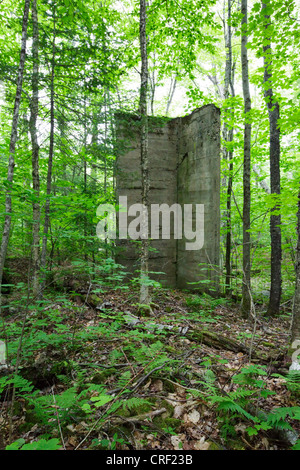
(184, 168)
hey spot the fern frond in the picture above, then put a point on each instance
(278, 416)
(134, 402)
(124, 379)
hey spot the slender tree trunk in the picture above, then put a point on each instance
(35, 151)
(94, 146)
(12, 146)
(105, 140)
(228, 137)
(171, 94)
(85, 221)
(275, 219)
(50, 159)
(228, 229)
(144, 290)
(152, 84)
(246, 293)
(296, 307)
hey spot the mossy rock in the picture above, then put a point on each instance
(92, 300)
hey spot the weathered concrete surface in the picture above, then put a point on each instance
(184, 168)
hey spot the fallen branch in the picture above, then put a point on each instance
(208, 338)
(138, 418)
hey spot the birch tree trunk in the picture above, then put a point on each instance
(50, 159)
(12, 145)
(144, 290)
(35, 151)
(275, 218)
(171, 94)
(246, 293)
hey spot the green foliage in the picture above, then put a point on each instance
(277, 417)
(205, 301)
(124, 379)
(238, 404)
(95, 63)
(41, 444)
(97, 402)
(292, 381)
(21, 385)
(110, 274)
(135, 404)
(297, 445)
(48, 408)
(107, 444)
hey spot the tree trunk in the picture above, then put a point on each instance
(35, 151)
(275, 219)
(246, 293)
(144, 290)
(296, 307)
(171, 94)
(50, 159)
(152, 83)
(228, 137)
(12, 145)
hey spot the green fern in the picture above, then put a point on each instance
(100, 389)
(135, 402)
(231, 404)
(124, 379)
(292, 380)
(277, 417)
(21, 385)
(64, 402)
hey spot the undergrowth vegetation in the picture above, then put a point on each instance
(89, 369)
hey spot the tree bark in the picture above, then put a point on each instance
(295, 331)
(50, 159)
(144, 290)
(35, 151)
(228, 137)
(12, 145)
(275, 218)
(246, 292)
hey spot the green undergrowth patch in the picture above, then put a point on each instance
(89, 378)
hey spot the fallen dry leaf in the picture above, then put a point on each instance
(202, 444)
(194, 416)
(178, 411)
(157, 386)
(177, 441)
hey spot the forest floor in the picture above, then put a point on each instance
(109, 374)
